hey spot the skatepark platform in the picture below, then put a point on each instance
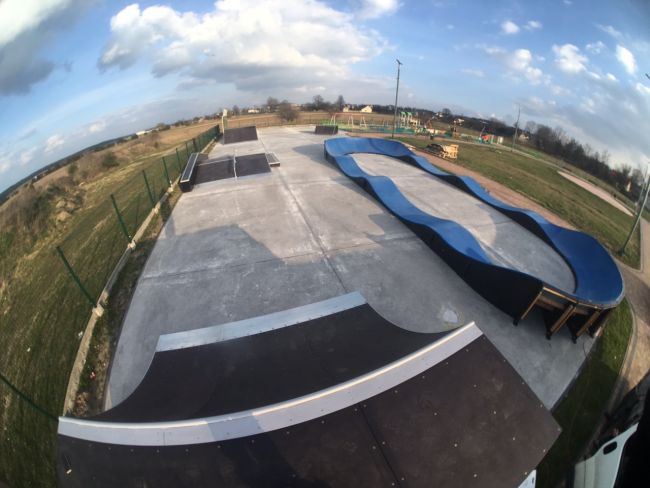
(330, 394)
(238, 248)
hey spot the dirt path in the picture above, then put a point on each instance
(637, 288)
(599, 192)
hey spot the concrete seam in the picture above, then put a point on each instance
(311, 230)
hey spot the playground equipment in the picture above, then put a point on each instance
(447, 151)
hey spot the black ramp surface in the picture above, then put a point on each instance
(338, 452)
(326, 130)
(467, 421)
(484, 425)
(252, 164)
(263, 369)
(241, 134)
(214, 170)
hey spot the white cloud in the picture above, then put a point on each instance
(509, 27)
(27, 156)
(518, 62)
(611, 77)
(567, 2)
(254, 45)
(533, 25)
(19, 16)
(626, 58)
(371, 9)
(4, 166)
(644, 90)
(608, 29)
(569, 59)
(595, 47)
(26, 27)
(97, 126)
(474, 72)
(53, 142)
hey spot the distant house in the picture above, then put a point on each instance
(346, 108)
(367, 109)
(253, 111)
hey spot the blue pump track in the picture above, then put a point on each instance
(599, 284)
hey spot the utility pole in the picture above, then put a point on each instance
(516, 129)
(399, 63)
(638, 218)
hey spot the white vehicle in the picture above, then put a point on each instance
(601, 469)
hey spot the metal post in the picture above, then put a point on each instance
(399, 63)
(178, 161)
(146, 182)
(121, 220)
(516, 129)
(28, 400)
(621, 252)
(194, 142)
(187, 149)
(166, 172)
(75, 277)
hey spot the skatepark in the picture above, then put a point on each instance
(305, 239)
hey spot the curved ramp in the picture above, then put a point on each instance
(599, 285)
(329, 394)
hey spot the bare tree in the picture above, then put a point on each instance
(235, 110)
(319, 101)
(272, 103)
(287, 112)
(340, 103)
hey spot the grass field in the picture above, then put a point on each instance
(541, 183)
(42, 312)
(580, 412)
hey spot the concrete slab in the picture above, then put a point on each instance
(235, 249)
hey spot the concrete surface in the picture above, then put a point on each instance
(235, 249)
(505, 242)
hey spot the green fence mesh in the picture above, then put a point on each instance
(46, 316)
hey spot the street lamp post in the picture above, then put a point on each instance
(399, 63)
(621, 251)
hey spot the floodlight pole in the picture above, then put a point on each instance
(516, 129)
(399, 63)
(621, 252)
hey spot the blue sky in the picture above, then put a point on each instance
(75, 72)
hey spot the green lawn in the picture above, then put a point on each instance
(42, 311)
(541, 183)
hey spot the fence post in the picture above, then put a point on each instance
(194, 142)
(75, 277)
(166, 172)
(187, 149)
(119, 217)
(178, 160)
(146, 182)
